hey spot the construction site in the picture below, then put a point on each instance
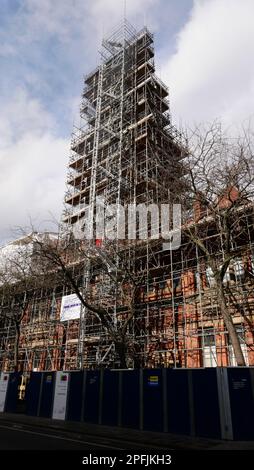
(163, 302)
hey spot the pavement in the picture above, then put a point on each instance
(111, 437)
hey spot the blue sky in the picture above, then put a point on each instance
(47, 45)
(204, 52)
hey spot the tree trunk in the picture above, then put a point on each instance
(121, 351)
(227, 318)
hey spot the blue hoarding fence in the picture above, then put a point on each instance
(211, 402)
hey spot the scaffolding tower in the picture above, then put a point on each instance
(121, 155)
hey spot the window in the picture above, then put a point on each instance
(227, 276)
(209, 337)
(239, 269)
(162, 284)
(240, 333)
(198, 280)
(89, 145)
(209, 350)
(210, 277)
(36, 360)
(176, 279)
(231, 355)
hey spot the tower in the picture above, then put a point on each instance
(126, 152)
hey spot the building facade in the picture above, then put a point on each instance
(127, 152)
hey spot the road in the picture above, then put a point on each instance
(18, 437)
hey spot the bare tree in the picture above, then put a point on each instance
(220, 187)
(17, 283)
(70, 259)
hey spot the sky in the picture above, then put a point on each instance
(204, 53)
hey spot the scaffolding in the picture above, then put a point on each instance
(178, 322)
(122, 153)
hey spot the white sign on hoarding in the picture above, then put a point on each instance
(70, 307)
(60, 396)
(4, 380)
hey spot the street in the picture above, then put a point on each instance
(18, 437)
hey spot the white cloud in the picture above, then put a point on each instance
(211, 75)
(66, 19)
(20, 115)
(32, 164)
(108, 13)
(49, 45)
